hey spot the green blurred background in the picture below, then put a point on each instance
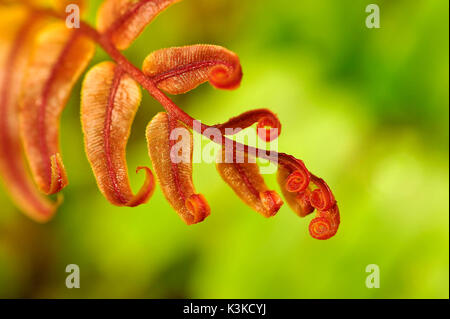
(366, 109)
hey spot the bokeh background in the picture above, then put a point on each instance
(367, 109)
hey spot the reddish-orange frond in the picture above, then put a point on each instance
(247, 182)
(266, 119)
(124, 20)
(58, 58)
(33, 95)
(17, 28)
(109, 102)
(175, 176)
(180, 69)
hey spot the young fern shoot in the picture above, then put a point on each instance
(41, 60)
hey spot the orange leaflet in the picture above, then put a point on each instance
(181, 69)
(246, 181)
(327, 220)
(305, 193)
(172, 162)
(124, 20)
(293, 185)
(326, 223)
(321, 197)
(58, 58)
(269, 126)
(17, 27)
(109, 101)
